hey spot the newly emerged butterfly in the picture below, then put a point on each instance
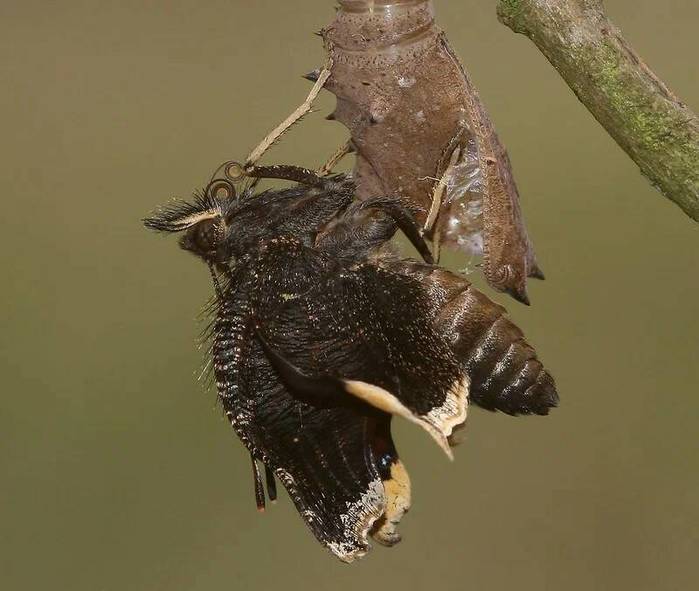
(322, 333)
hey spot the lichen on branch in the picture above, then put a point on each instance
(657, 130)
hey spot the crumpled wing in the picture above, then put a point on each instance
(324, 459)
(370, 330)
(337, 462)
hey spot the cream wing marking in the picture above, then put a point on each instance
(397, 489)
(439, 422)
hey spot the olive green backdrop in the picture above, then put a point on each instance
(118, 472)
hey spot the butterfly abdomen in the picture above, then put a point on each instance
(503, 368)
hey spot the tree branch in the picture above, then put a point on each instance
(645, 118)
(421, 132)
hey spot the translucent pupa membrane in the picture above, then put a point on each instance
(460, 223)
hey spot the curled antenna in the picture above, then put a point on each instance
(220, 189)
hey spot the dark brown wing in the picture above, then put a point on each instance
(370, 331)
(337, 461)
(323, 457)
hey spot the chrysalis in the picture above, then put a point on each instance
(410, 107)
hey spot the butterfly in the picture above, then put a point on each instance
(322, 332)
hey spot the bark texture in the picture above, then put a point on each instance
(645, 118)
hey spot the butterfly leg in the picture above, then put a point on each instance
(285, 172)
(437, 198)
(332, 162)
(284, 126)
(438, 191)
(404, 219)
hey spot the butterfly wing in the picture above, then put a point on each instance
(336, 460)
(364, 333)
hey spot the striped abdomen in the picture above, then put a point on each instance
(504, 371)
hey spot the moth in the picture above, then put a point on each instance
(323, 332)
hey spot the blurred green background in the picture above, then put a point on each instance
(117, 469)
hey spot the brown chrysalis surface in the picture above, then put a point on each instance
(416, 120)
